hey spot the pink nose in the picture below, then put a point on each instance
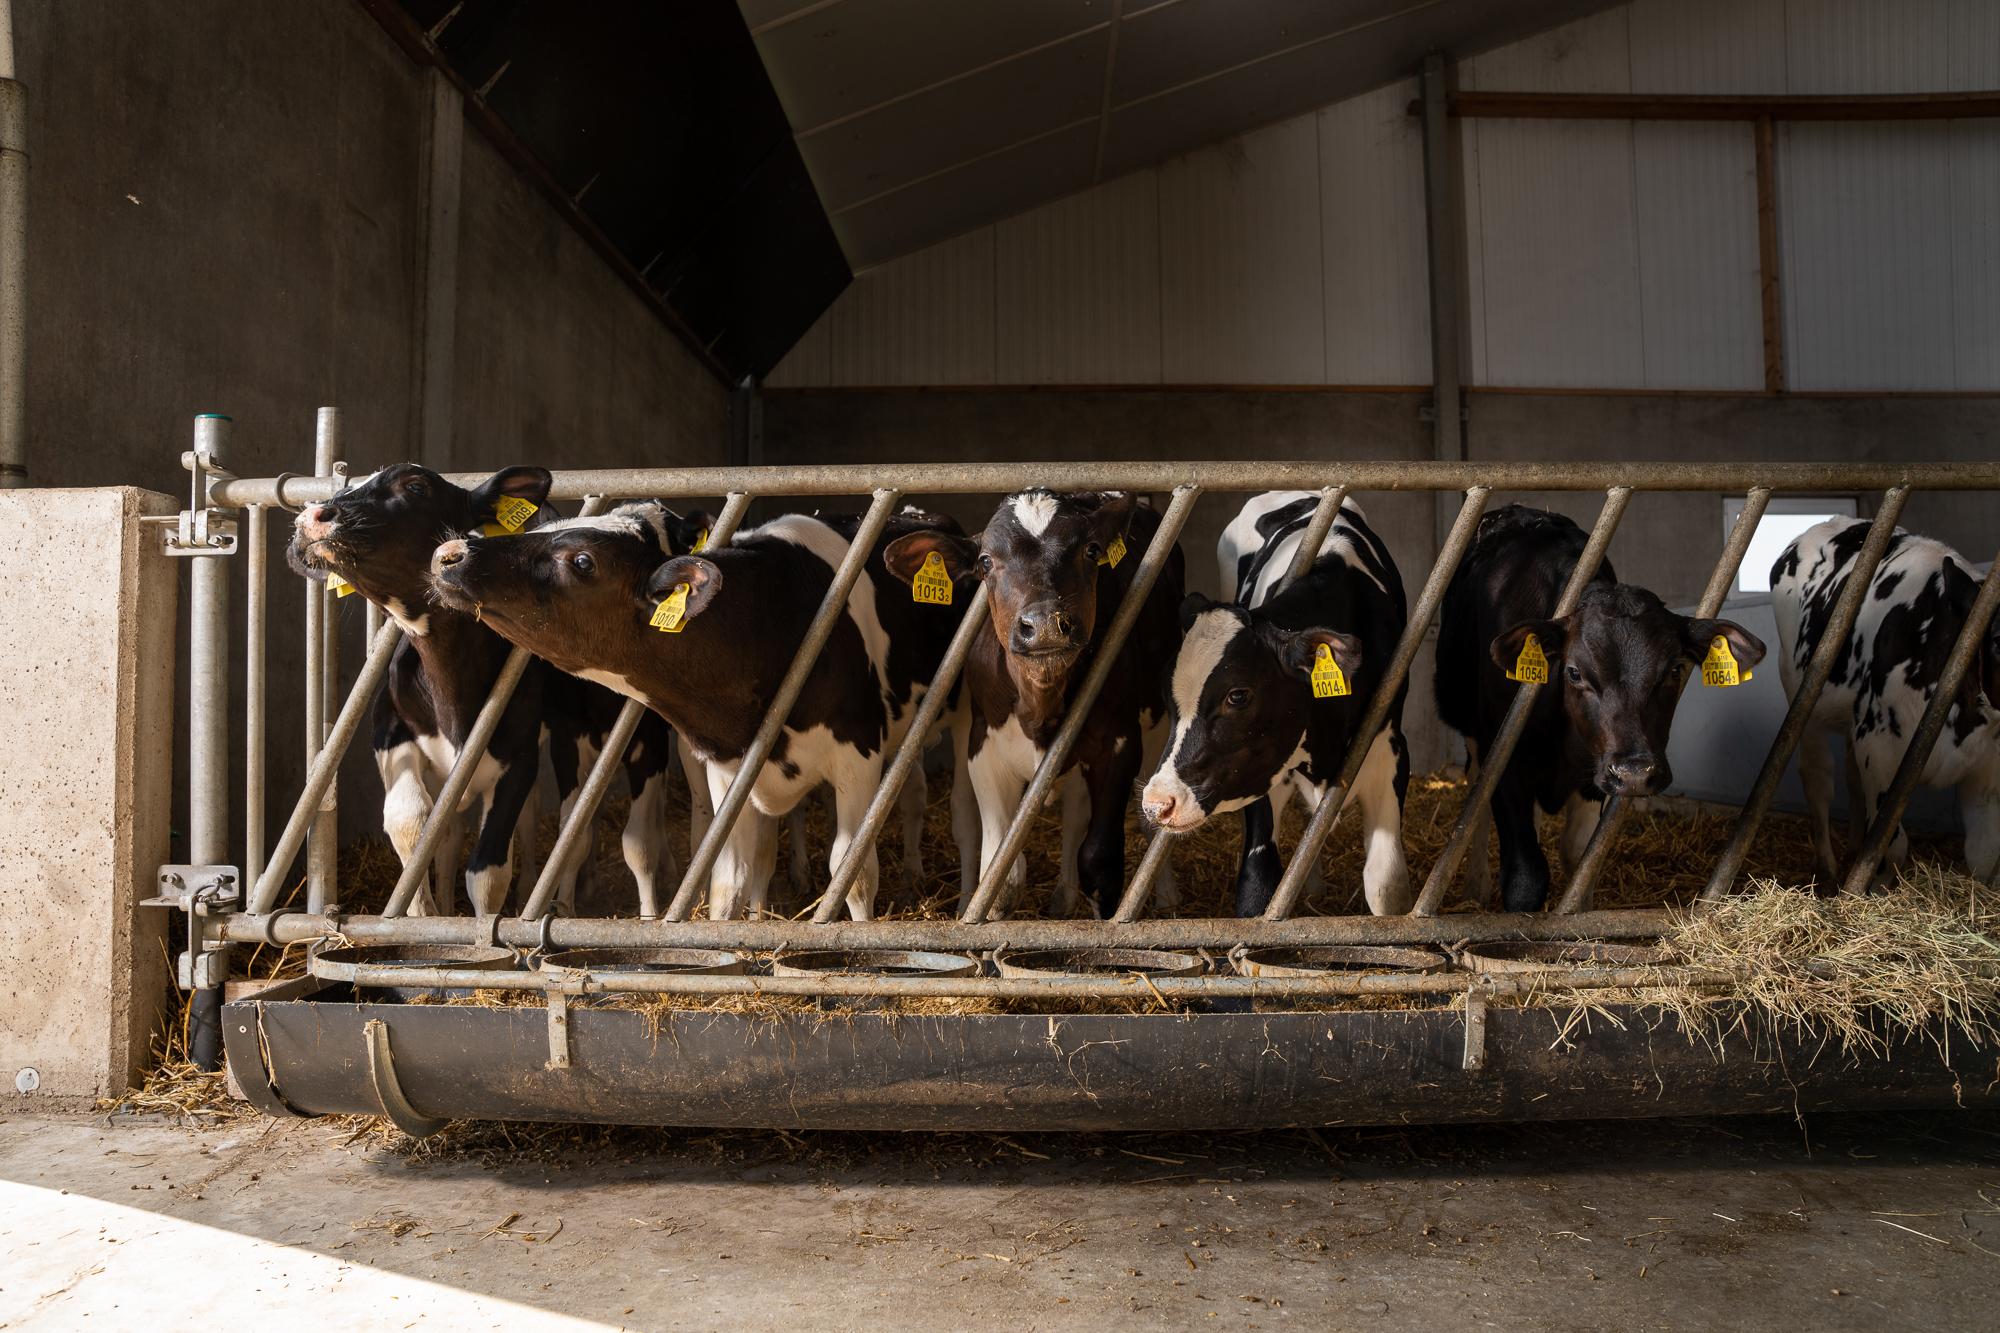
(447, 555)
(1160, 809)
(313, 522)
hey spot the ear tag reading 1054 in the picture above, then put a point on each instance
(1532, 666)
(1719, 667)
(1113, 553)
(338, 586)
(1329, 681)
(700, 543)
(513, 513)
(931, 583)
(670, 616)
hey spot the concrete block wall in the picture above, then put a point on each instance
(87, 675)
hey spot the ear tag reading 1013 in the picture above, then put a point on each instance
(513, 513)
(670, 616)
(931, 583)
(1113, 553)
(700, 543)
(1532, 666)
(1719, 667)
(1329, 681)
(338, 586)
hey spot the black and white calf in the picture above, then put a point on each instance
(1614, 669)
(1249, 728)
(1916, 606)
(378, 535)
(704, 640)
(1057, 566)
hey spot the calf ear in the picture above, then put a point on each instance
(907, 554)
(684, 530)
(1746, 647)
(1113, 516)
(700, 577)
(1552, 635)
(1192, 606)
(522, 483)
(1299, 649)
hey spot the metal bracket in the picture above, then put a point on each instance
(202, 892)
(558, 1029)
(1475, 1027)
(389, 1091)
(200, 532)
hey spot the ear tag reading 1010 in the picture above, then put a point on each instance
(931, 583)
(1329, 681)
(670, 616)
(1719, 667)
(338, 586)
(1532, 666)
(700, 543)
(1113, 553)
(513, 513)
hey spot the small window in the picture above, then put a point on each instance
(1784, 519)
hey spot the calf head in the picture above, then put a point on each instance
(378, 534)
(1619, 660)
(578, 591)
(1039, 556)
(1242, 699)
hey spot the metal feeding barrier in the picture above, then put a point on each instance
(223, 913)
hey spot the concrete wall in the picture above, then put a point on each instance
(228, 214)
(90, 718)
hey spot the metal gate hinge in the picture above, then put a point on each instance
(200, 532)
(198, 890)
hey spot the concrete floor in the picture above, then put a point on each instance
(1878, 1222)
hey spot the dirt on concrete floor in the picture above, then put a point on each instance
(1863, 1222)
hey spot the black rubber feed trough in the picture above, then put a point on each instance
(308, 1048)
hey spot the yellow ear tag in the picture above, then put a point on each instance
(1329, 681)
(670, 616)
(1532, 666)
(930, 583)
(1719, 667)
(338, 586)
(700, 543)
(1113, 553)
(512, 513)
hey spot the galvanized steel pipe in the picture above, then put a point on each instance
(13, 275)
(254, 703)
(322, 687)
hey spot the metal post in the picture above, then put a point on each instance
(325, 764)
(831, 608)
(1583, 875)
(1443, 245)
(1889, 809)
(1493, 761)
(1831, 645)
(1457, 541)
(1140, 891)
(990, 895)
(13, 280)
(208, 749)
(907, 755)
(322, 684)
(254, 703)
(572, 835)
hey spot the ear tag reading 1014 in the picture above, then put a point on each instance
(513, 513)
(1113, 553)
(1532, 666)
(338, 586)
(1329, 681)
(931, 583)
(670, 616)
(1719, 667)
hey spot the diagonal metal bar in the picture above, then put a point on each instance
(907, 754)
(575, 831)
(831, 608)
(1457, 542)
(1889, 810)
(1831, 645)
(1493, 762)
(444, 807)
(1584, 874)
(325, 764)
(989, 896)
(1140, 891)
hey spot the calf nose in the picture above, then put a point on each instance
(315, 521)
(1637, 774)
(447, 555)
(1159, 809)
(1044, 627)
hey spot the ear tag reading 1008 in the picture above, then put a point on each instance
(670, 616)
(1329, 681)
(338, 586)
(931, 583)
(513, 513)
(1532, 666)
(1113, 553)
(1719, 667)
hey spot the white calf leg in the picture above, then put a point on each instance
(1385, 875)
(647, 853)
(999, 790)
(701, 809)
(850, 804)
(487, 887)
(406, 804)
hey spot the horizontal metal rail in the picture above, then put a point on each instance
(957, 478)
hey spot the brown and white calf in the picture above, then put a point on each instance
(1056, 567)
(704, 640)
(378, 535)
(1613, 669)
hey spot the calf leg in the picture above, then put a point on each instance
(1260, 869)
(914, 802)
(1101, 859)
(742, 873)
(701, 809)
(998, 789)
(570, 758)
(1876, 758)
(648, 854)
(406, 804)
(1385, 875)
(1816, 776)
(1075, 824)
(490, 872)
(798, 867)
(850, 803)
(1524, 871)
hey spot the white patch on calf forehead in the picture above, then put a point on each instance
(1201, 652)
(1034, 511)
(635, 520)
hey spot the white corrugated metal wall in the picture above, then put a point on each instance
(1598, 254)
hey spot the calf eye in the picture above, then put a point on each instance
(416, 486)
(1093, 552)
(1239, 698)
(582, 563)
(985, 563)
(1572, 675)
